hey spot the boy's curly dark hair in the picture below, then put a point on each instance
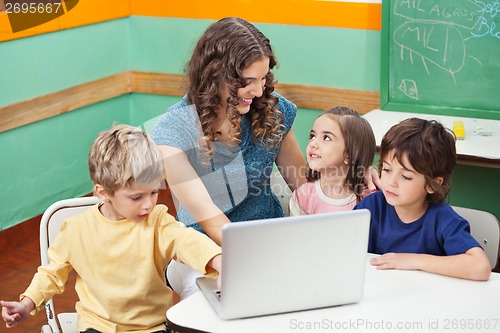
(430, 149)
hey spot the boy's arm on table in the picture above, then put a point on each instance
(471, 265)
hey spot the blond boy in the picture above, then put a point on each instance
(120, 247)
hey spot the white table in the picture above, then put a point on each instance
(394, 301)
(474, 149)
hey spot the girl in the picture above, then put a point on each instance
(340, 150)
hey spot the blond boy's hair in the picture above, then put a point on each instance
(124, 154)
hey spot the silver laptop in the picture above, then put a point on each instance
(290, 264)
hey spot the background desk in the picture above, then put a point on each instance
(474, 149)
(394, 301)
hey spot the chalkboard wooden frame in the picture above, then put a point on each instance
(387, 102)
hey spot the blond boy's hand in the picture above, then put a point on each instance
(14, 312)
(216, 263)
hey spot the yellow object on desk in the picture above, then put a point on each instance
(459, 130)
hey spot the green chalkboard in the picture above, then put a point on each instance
(441, 56)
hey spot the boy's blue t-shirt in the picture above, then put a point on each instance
(237, 177)
(440, 231)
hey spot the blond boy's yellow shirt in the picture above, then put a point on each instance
(120, 268)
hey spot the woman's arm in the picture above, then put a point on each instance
(472, 265)
(290, 161)
(189, 190)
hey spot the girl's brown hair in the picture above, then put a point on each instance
(222, 53)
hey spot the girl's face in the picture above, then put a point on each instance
(133, 202)
(326, 149)
(403, 187)
(255, 77)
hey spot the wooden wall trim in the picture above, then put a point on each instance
(63, 101)
(158, 83)
(309, 97)
(321, 98)
(39, 108)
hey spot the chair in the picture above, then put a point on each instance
(281, 190)
(485, 229)
(50, 224)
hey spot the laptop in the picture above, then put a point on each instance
(290, 264)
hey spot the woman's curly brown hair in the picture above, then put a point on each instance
(222, 53)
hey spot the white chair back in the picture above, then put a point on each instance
(485, 229)
(51, 222)
(281, 190)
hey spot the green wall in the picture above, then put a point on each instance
(476, 187)
(47, 161)
(342, 58)
(47, 63)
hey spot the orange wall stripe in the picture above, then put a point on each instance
(94, 11)
(6, 31)
(299, 12)
(355, 15)
(84, 13)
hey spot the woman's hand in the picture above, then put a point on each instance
(372, 179)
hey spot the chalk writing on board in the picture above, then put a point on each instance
(409, 88)
(435, 32)
(441, 56)
(487, 27)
